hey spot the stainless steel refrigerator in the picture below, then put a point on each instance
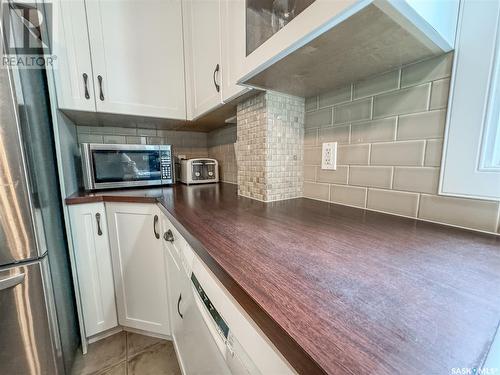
(38, 325)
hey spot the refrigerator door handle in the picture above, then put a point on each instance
(11, 281)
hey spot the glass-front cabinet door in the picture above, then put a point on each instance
(265, 18)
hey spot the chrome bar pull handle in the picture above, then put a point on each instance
(178, 306)
(85, 82)
(101, 95)
(155, 224)
(11, 281)
(98, 219)
(216, 71)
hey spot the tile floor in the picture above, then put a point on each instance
(128, 353)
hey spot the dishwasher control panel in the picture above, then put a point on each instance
(222, 327)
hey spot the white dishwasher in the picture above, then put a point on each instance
(205, 343)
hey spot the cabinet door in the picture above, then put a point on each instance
(138, 266)
(73, 67)
(233, 47)
(137, 55)
(203, 55)
(174, 292)
(93, 266)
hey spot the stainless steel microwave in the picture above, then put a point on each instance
(108, 166)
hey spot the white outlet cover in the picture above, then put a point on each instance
(329, 156)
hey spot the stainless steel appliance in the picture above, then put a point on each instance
(107, 166)
(199, 171)
(38, 325)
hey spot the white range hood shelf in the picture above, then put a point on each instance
(374, 37)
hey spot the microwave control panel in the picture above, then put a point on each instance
(166, 164)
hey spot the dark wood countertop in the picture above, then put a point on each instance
(342, 290)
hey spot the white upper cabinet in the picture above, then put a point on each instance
(202, 40)
(93, 267)
(233, 47)
(139, 266)
(73, 69)
(137, 57)
(471, 154)
(135, 61)
(307, 51)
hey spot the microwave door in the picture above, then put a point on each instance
(125, 167)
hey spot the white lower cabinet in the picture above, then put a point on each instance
(138, 266)
(132, 251)
(93, 267)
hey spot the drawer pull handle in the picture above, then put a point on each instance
(168, 236)
(98, 219)
(178, 306)
(85, 82)
(155, 224)
(101, 96)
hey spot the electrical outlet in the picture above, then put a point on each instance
(329, 156)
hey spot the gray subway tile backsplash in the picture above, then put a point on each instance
(439, 93)
(312, 155)
(310, 137)
(119, 139)
(371, 176)
(155, 140)
(421, 125)
(317, 191)
(338, 134)
(395, 169)
(191, 144)
(427, 71)
(320, 118)
(348, 195)
(398, 153)
(353, 154)
(336, 96)
(395, 202)
(417, 179)
(146, 132)
(136, 140)
(90, 138)
(358, 110)
(433, 152)
(376, 85)
(409, 100)
(374, 131)
(310, 174)
(338, 176)
(469, 213)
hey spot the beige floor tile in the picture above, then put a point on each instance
(101, 355)
(159, 359)
(119, 369)
(138, 343)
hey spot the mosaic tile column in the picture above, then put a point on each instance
(270, 128)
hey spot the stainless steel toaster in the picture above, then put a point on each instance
(199, 171)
